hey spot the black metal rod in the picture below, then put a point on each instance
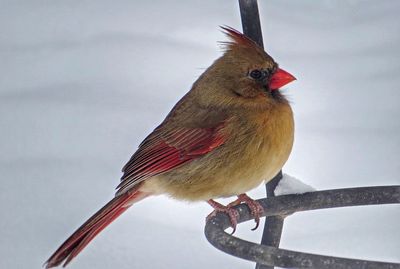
(289, 204)
(251, 20)
(252, 28)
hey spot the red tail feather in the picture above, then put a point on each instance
(81, 237)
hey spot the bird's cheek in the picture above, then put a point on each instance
(249, 92)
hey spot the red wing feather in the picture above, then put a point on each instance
(163, 151)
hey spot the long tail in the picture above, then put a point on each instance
(81, 237)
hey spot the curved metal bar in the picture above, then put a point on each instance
(289, 204)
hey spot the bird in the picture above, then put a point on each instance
(231, 132)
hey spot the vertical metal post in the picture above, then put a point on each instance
(252, 28)
(251, 20)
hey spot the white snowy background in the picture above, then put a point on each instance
(83, 82)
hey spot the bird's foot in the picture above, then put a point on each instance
(232, 213)
(256, 209)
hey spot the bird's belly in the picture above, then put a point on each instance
(231, 169)
(260, 164)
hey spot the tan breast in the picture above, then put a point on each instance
(258, 146)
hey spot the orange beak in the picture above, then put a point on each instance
(280, 78)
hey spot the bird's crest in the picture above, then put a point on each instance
(237, 39)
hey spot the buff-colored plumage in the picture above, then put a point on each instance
(229, 133)
(259, 144)
(259, 129)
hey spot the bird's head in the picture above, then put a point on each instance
(244, 75)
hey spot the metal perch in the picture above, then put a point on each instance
(289, 204)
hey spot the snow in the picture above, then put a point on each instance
(291, 185)
(83, 82)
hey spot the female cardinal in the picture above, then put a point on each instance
(228, 134)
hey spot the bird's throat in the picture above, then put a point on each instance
(275, 94)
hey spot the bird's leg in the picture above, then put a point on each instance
(232, 213)
(256, 209)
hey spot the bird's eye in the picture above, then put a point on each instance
(258, 74)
